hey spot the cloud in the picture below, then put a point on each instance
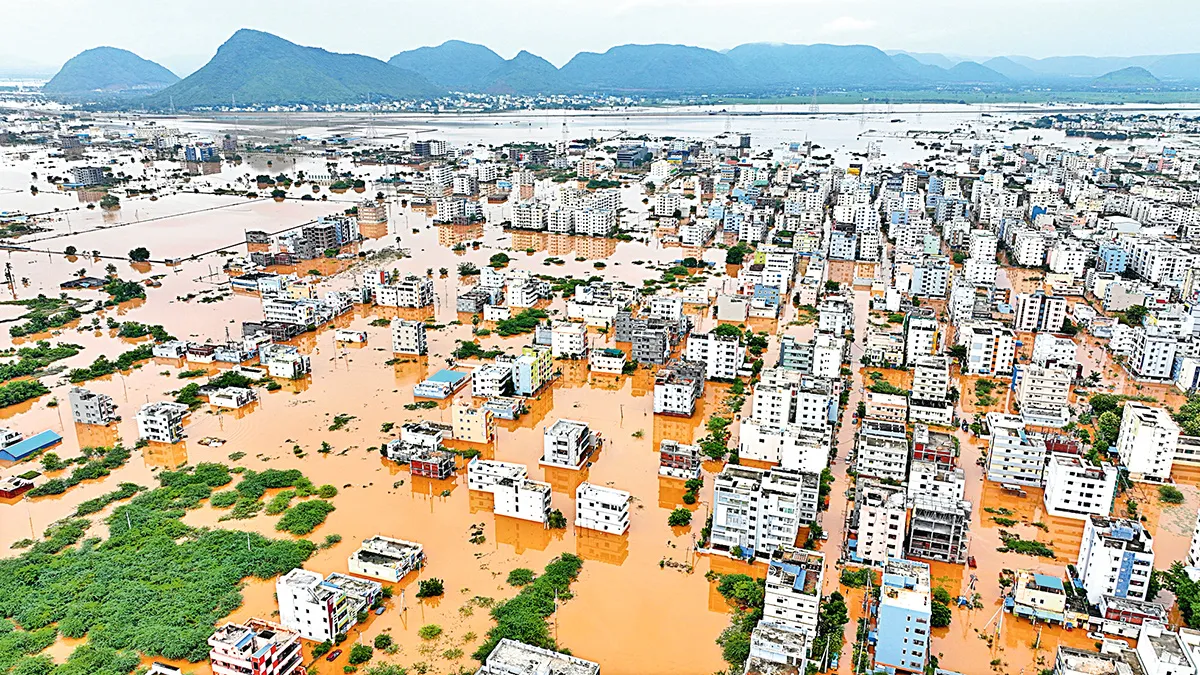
(847, 24)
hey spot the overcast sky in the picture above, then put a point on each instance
(183, 34)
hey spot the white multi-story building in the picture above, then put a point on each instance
(785, 396)
(568, 340)
(790, 445)
(920, 336)
(89, 407)
(677, 387)
(935, 481)
(1014, 455)
(284, 361)
(492, 379)
(386, 558)
(1051, 349)
(408, 337)
(1152, 353)
(793, 593)
(161, 421)
(1042, 395)
(1076, 488)
(411, 291)
(321, 609)
(758, 511)
(510, 657)
(1116, 557)
(602, 508)
(1039, 312)
(256, 647)
(880, 519)
(1146, 444)
(567, 444)
(882, 450)
(232, 397)
(989, 348)
(722, 355)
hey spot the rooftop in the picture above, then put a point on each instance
(511, 656)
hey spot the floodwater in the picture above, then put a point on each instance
(641, 604)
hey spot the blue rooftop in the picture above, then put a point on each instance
(447, 376)
(1047, 581)
(22, 449)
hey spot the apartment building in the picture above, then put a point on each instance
(1042, 394)
(568, 340)
(322, 608)
(1116, 558)
(788, 397)
(679, 460)
(89, 407)
(411, 291)
(937, 528)
(1152, 353)
(1076, 488)
(1039, 312)
(606, 360)
(602, 508)
(677, 387)
(789, 445)
(929, 402)
(902, 618)
(1014, 456)
(386, 559)
(793, 593)
(935, 480)
(473, 425)
(989, 348)
(161, 421)
(256, 647)
(878, 522)
(284, 361)
(567, 444)
(408, 337)
(881, 450)
(920, 335)
(492, 380)
(722, 355)
(887, 407)
(1147, 442)
(756, 511)
(1051, 350)
(510, 657)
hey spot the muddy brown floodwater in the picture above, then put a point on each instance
(630, 613)
(641, 605)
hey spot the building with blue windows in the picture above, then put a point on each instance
(1112, 258)
(902, 618)
(1116, 558)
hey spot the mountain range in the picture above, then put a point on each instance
(108, 71)
(257, 68)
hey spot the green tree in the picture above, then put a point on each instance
(940, 615)
(679, 517)
(139, 254)
(360, 653)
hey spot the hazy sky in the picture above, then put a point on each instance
(183, 34)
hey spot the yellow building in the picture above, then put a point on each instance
(473, 425)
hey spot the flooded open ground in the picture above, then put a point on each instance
(642, 604)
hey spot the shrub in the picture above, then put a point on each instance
(360, 653)
(383, 641)
(520, 577)
(1169, 494)
(327, 492)
(430, 631)
(431, 588)
(304, 517)
(321, 649)
(679, 517)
